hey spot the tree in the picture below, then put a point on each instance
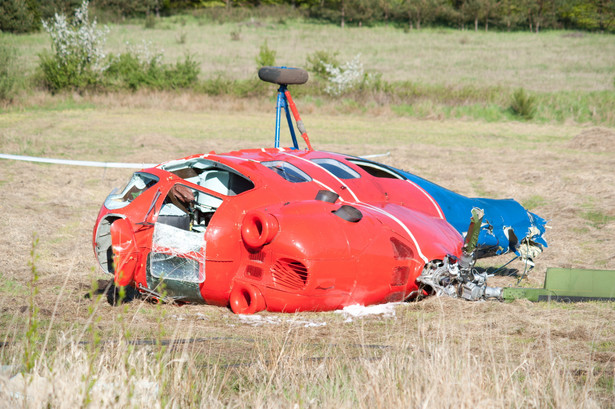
(18, 16)
(125, 8)
(419, 12)
(511, 13)
(545, 13)
(471, 11)
(48, 8)
(594, 14)
(488, 8)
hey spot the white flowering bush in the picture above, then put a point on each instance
(78, 60)
(144, 52)
(79, 39)
(345, 77)
(78, 57)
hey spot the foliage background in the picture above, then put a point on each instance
(20, 16)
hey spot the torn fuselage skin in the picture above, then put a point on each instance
(506, 227)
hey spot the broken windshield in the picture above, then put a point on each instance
(139, 183)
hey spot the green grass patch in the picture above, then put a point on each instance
(603, 346)
(61, 104)
(478, 185)
(534, 201)
(597, 218)
(11, 287)
(606, 383)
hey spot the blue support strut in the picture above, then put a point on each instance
(278, 107)
(283, 102)
(290, 123)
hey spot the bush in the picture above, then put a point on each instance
(130, 71)
(66, 74)
(522, 104)
(150, 21)
(265, 57)
(78, 58)
(79, 62)
(9, 73)
(318, 61)
(346, 77)
(252, 14)
(18, 16)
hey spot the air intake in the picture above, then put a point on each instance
(400, 250)
(289, 274)
(254, 272)
(258, 256)
(400, 276)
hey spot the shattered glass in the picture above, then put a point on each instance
(177, 254)
(139, 183)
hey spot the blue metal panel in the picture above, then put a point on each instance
(500, 216)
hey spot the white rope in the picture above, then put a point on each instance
(78, 162)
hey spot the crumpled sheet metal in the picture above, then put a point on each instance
(501, 215)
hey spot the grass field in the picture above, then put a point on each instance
(425, 74)
(549, 61)
(436, 353)
(62, 345)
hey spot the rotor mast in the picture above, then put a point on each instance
(284, 76)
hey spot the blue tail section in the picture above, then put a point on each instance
(506, 223)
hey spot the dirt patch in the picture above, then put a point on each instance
(594, 140)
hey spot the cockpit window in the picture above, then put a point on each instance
(337, 168)
(211, 175)
(376, 170)
(287, 171)
(139, 183)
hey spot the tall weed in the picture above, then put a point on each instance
(293, 366)
(10, 77)
(31, 351)
(523, 104)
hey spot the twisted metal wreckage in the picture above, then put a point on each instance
(290, 229)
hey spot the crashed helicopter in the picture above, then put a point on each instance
(296, 229)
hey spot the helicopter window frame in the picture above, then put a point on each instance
(139, 183)
(337, 168)
(376, 170)
(215, 176)
(287, 171)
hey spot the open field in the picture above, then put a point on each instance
(433, 353)
(546, 62)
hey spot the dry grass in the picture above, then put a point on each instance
(436, 353)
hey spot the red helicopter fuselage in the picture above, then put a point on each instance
(275, 229)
